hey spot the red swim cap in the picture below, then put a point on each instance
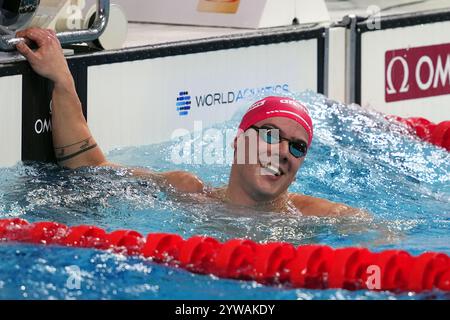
(271, 107)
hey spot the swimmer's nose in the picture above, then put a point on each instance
(284, 151)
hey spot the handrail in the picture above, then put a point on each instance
(9, 42)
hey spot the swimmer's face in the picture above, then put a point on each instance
(269, 169)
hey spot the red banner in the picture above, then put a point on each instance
(419, 72)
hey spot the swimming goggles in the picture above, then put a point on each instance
(297, 148)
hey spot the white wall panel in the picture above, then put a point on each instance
(10, 120)
(134, 103)
(375, 44)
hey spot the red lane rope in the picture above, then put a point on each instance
(437, 134)
(308, 266)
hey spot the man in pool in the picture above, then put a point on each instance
(283, 126)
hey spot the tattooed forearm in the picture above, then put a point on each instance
(81, 143)
(73, 150)
(73, 155)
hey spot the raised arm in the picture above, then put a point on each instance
(73, 142)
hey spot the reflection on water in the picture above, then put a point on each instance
(357, 157)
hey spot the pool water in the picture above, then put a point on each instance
(357, 157)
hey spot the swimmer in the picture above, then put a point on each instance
(282, 127)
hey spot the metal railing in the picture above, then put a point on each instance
(8, 42)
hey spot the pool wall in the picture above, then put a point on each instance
(403, 68)
(139, 96)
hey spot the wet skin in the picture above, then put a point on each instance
(247, 186)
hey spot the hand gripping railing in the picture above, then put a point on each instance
(9, 42)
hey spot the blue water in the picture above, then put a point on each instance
(357, 157)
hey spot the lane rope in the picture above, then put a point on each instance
(306, 266)
(437, 134)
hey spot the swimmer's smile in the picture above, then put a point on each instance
(270, 170)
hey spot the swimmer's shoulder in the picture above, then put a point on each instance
(181, 181)
(312, 206)
(307, 205)
(185, 182)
